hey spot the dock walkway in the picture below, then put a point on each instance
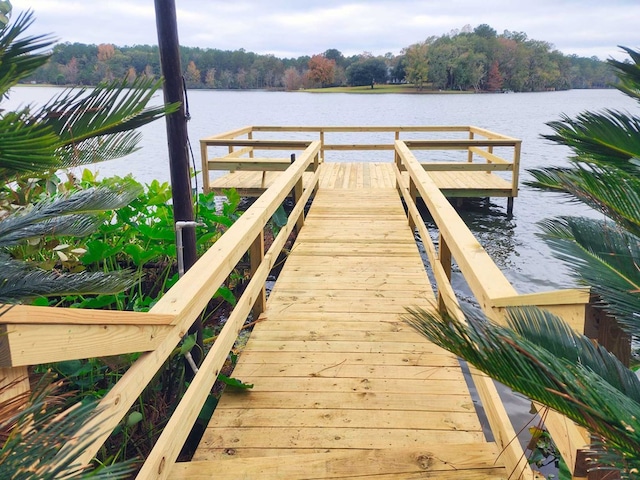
(342, 388)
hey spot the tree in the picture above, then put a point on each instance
(192, 75)
(494, 78)
(322, 70)
(417, 64)
(367, 71)
(538, 354)
(292, 79)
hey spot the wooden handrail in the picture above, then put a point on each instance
(188, 297)
(490, 287)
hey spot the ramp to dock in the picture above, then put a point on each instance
(342, 387)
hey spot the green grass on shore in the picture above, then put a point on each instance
(381, 88)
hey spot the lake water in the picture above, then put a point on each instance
(512, 242)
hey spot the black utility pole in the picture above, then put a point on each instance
(177, 138)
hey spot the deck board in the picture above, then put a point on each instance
(343, 388)
(365, 175)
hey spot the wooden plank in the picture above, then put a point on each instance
(358, 384)
(309, 437)
(418, 461)
(349, 401)
(338, 368)
(336, 418)
(25, 314)
(24, 345)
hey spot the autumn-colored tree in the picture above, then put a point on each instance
(494, 78)
(322, 70)
(210, 78)
(70, 72)
(292, 79)
(417, 64)
(131, 75)
(105, 52)
(192, 76)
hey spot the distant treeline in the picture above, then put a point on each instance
(469, 59)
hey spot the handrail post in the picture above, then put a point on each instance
(469, 151)
(256, 256)
(413, 193)
(297, 192)
(322, 145)
(444, 256)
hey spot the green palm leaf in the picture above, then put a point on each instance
(92, 123)
(604, 257)
(18, 281)
(71, 215)
(19, 57)
(597, 399)
(608, 139)
(608, 190)
(628, 73)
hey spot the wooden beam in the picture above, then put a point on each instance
(29, 315)
(34, 344)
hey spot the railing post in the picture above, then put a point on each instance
(298, 190)
(444, 256)
(256, 256)
(469, 152)
(322, 145)
(413, 193)
(19, 377)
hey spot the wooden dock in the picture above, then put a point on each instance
(343, 389)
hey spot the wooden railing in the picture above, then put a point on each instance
(494, 293)
(43, 334)
(478, 143)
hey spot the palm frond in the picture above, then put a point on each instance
(71, 215)
(609, 138)
(19, 281)
(610, 191)
(41, 431)
(604, 257)
(569, 387)
(20, 57)
(78, 116)
(628, 73)
(25, 146)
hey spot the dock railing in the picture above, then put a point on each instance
(494, 293)
(477, 144)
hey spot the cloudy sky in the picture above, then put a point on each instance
(291, 28)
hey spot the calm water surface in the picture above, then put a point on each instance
(512, 242)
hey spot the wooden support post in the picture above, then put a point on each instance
(256, 256)
(9, 375)
(469, 151)
(298, 190)
(604, 328)
(509, 206)
(444, 256)
(413, 194)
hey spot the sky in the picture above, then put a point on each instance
(292, 28)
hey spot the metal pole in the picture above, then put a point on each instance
(177, 138)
